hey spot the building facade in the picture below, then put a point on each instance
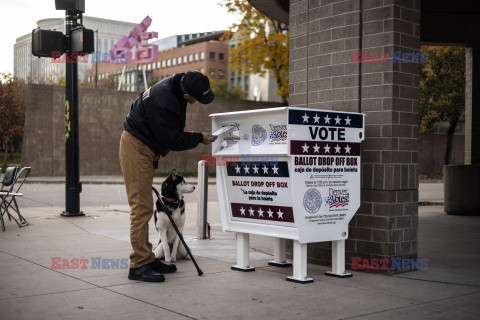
(177, 40)
(44, 70)
(256, 87)
(209, 57)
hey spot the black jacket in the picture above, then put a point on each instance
(157, 118)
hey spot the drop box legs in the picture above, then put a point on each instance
(299, 263)
(279, 255)
(243, 261)
(338, 260)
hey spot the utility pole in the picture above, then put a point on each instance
(96, 60)
(73, 186)
(77, 40)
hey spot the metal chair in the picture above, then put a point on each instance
(1, 214)
(12, 181)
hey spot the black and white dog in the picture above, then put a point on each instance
(173, 189)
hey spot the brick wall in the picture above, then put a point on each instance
(323, 35)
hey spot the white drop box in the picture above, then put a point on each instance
(288, 173)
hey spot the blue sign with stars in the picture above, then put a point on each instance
(325, 119)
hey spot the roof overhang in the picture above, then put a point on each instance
(276, 9)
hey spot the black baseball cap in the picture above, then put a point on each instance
(197, 85)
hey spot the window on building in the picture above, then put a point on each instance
(196, 56)
(105, 45)
(201, 70)
(179, 60)
(163, 63)
(174, 61)
(202, 55)
(212, 73)
(184, 59)
(221, 56)
(212, 55)
(158, 65)
(190, 58)
(221, 74)
(169, 62)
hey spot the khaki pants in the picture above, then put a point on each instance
(136, 160)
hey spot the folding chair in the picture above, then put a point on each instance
(8, 196)
(1, 214)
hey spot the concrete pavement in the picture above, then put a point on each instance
(30, 288)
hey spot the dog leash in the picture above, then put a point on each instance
(161, 205)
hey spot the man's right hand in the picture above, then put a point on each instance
(208, 138)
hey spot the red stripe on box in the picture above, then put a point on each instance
(318, 148)
(262, 212)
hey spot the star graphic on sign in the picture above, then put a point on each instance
(347, 149)
(280, 214)
(327, 149)
(242, 211)
(305, 148)
(251, 212)
(337, 120)
(337, 149)
(260, 212)
(270, 213)
(316, 148)
(255, 169)
(237, 169)
(327, 119)
(275, 169)
(347, 121)
(246, 168)
(265, 169)
(305, 118)
(316, 119)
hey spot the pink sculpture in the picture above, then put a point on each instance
(146, 52)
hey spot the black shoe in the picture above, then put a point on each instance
(145, 273)
(162, 267)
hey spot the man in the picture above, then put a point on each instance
(154, 127)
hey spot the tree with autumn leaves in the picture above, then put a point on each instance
(442, 91)
(12, 110)
(264, 44)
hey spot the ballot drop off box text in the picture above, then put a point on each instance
(289, 173)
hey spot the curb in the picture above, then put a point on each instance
(430, 203)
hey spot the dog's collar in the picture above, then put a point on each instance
(171, 200)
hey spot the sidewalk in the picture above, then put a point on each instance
(30, 288)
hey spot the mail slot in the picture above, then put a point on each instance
(289, 173)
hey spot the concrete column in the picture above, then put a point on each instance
(474, 134)
(322, 75)
(468, 104)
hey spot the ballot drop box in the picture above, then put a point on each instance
(289, 173)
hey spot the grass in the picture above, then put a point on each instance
(14, 161)
(427, 176)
